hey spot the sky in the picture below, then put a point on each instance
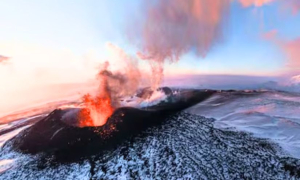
(81, 28)
(55, 41)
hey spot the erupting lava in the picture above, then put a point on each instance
(97, 109)
(96, 112)
(112, 86)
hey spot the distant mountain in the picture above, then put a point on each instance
(290, 84)
(269, 85)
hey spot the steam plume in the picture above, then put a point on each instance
(169, 29)
(112, 86)
(174, 27)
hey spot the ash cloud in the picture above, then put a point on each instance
(171, 28)
(112, 86)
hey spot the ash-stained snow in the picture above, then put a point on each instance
(185, 147)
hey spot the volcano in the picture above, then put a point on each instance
(58, 134)
(179, 137)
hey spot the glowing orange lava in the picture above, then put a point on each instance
(121, 82)
(97, 110)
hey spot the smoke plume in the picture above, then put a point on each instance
(171, 28)
(124, 81)
(167, 30)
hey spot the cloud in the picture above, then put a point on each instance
(270, 35)
(292, 5)
(33, 69)
(292, 50)
(171, 28)
(4, 59)
(289, 47)
(256, 3)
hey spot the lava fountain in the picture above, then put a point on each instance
(112, 86)
(97, 109)
(96, 112)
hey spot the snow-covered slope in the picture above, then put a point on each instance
(271, 114)
(207, 141)
(185, 147)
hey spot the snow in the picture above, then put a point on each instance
(272, 115)
(7, 136)
(156, 98)
(188, 146)
(5, 164)
(185, 147)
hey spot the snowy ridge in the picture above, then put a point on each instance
(186, 146)
(270, 114)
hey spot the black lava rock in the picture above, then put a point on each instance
(57, 135)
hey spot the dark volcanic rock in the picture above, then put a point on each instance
(56, 134)
(166, 90)
(184, 146)
(158, 143)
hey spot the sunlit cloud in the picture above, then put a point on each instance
(3, 59)
(292, 48)
(290, 5)
(256, 3)
(172, 28)
(270, 35)
(33, 69)
(289, 47)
